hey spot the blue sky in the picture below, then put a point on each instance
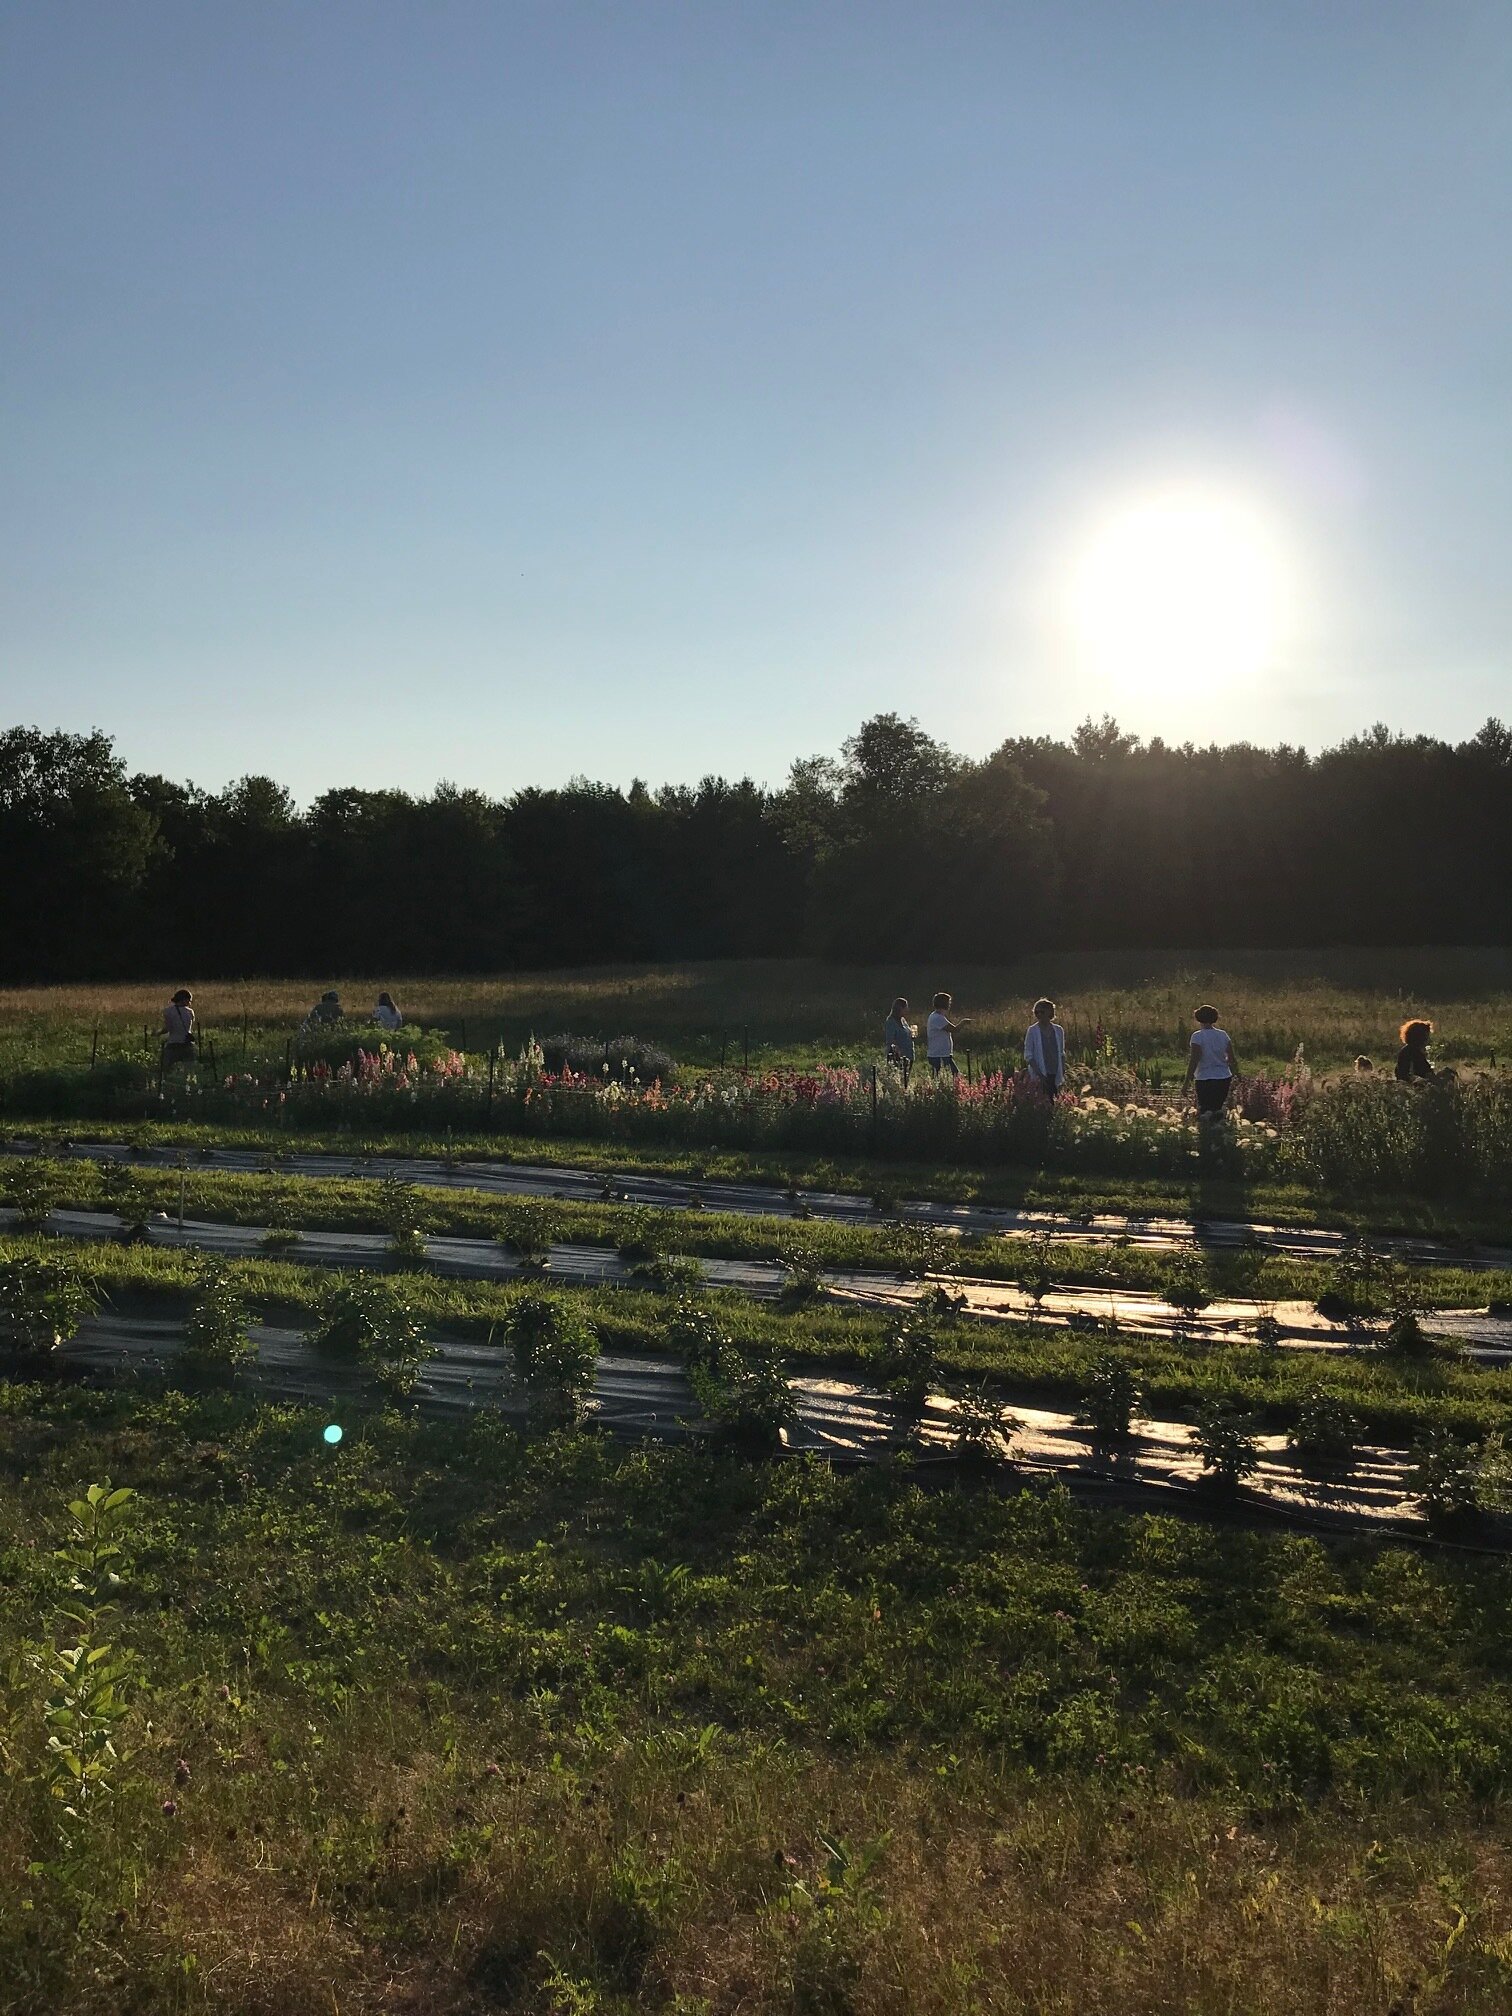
(497, 392)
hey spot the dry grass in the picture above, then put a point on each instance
(1336, 1003)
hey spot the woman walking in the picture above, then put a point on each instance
(900, 1034)
(1045, 1050)
(940, 1037)
(1211, 1062)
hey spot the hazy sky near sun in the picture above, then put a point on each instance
(500, 391)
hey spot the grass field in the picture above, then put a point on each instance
(1338, 1004)
(459, 1717)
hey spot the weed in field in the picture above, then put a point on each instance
(742, 1391)
(1036, 1268)
(922, 1251)
(1184, 1283)
(281, 1232)
(555, 1351)
(802, 1276)
(86, 1677)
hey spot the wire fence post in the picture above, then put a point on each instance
(94, 1046)
(874, 1108)
(488, 1110)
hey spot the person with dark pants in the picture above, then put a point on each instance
(180, 1045)
(1045, 1050)
(1211, 1062)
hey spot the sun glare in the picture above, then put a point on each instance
(1173, 586)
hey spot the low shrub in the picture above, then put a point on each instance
(529, 1230)
(1445, 1479)
(1226, 1442)
(373, 1323)
(625, 1060)
(1110, 1398)
(1326, 1432)
(215, 1332)
(401, 1213)
(743, 1393)
(906, 1365)
(42, 1301)
(555, 1352)
(984, 1426)
(33, 1192)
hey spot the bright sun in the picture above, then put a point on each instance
(1174, 586)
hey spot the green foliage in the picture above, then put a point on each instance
(43, 1300)
(1184, 1283)
(402, 1215)
(530, 1229)
(644, 1234)
(743, 1393)
(906, 1364)
(33, 1191)
(1226, 1442)
(1036, 1267)
(802, 1276)
(555, 1352)
(123, 1193)
(984, 1425)
(1109, 1398)
(922, 1250)
(1445, 1479)
(281, 1231)
(374, 1323)
(215, 1332)
(831, 1917)
(1326, 1433)
(87, 1678)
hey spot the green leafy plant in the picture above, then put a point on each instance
(529, 1229)
(87, 1677)
(33, 1192)
(555, 1352)
(984, 1425)
(1110, 1398)
(743, 1393)
(907, 1364)
(922, 1250)
(1444, 1477)
(123, 1191)
(373, 1323)
(830, 1917)
(1036, 1267)
(802, 1277)
(1326, 1433)
(1226, 1442)
(644, 1234)
(280, 1232)
(695, 1333)
(215, 1333)
(42, 1301)
(1184, 1284)
(401, 1212)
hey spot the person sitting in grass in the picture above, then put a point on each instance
(940, 1037)
(178, 1030)
(1211, 1062)
(326, 1010)
(386, 1015)
(900, 1034)
(1412, 1059)
(1045, 1050)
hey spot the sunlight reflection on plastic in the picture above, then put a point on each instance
(333, 1433)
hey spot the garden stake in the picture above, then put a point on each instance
(492, 1059)
(94, 1046)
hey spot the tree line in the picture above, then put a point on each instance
(896, 848)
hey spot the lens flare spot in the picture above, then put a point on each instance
(333, 1433)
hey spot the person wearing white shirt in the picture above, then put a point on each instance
(940, 1037)
(386, 1015)
(1045, 1049)
(1211, 1062)
(179, 1043)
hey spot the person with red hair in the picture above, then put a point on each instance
(1412, 1059)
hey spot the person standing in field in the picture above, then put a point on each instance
(386, 1015)
(179, 1042)
(1045, 1049)
(1211, 1062)
(1412, 1059)
(940, 1037)
(900, 1034)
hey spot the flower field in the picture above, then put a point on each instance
(384, 1694)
